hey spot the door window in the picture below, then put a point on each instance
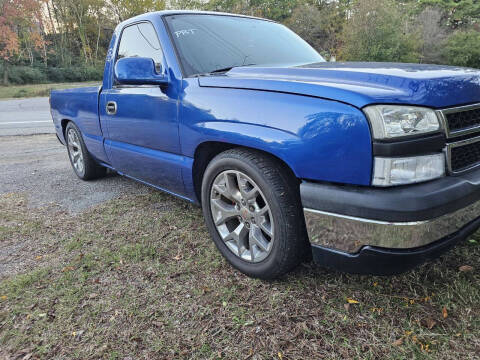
(140, 40)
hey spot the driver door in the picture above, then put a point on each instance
(142, 139)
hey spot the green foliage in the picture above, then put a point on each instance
(463, 49)
(378, 30)
(72, 39)
(125, 9)
(460, 13)
(21, 75)
(26, 75)
(319, 26)
(74, 74)
(277, 10)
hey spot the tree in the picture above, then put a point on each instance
(20, 31)
(277, 10)
(379, 30)
(125, 9)
(460, 13)
(432, 33)
(463, 49)
(320, 25)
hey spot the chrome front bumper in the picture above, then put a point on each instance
(349, 234)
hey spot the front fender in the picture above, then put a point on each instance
(319, 139)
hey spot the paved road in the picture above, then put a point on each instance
(25, 117)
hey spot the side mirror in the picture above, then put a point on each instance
(138, 71)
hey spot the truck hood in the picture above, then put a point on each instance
(361, 84)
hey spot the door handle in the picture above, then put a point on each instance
(111, 108)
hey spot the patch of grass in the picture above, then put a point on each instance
(139, 277)
(37, 90)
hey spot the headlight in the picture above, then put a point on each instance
(409, 170)
(391, 121)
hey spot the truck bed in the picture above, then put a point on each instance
(79, 105)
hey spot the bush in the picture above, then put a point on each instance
(75, 73)
(377, 31)
(55, 74)
(23, 75)
(93, 73)
(463, 49)
(26, 75)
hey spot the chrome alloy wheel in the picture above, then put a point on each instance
(75, 151)
(242, 216)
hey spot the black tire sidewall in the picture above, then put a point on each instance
(273, 261)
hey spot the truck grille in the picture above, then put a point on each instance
(462, 123)
(464, 157)
(463, 120)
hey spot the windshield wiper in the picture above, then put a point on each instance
(225, 69)
(221, 70)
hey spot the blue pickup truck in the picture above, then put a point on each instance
(364, 167)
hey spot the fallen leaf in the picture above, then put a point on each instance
(280, 356)
(351, 301)
(444, 312)
(68, 268)
(178, 257)
(77, 333)
(398, 342)
(39, 257)
(429, 323)
(465, 268)
(92, 296)
(3, 297)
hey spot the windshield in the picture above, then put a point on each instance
(206, 43)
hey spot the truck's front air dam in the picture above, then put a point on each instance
(401, 228)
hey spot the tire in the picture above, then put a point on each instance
(277, 241)
(83, 164)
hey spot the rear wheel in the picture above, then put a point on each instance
(253, 212)
(83, 164)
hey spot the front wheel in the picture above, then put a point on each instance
(83, 164)
(253, 212)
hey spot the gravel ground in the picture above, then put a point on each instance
(38, 165)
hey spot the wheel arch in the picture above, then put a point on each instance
(206, 151)
(64, 123)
